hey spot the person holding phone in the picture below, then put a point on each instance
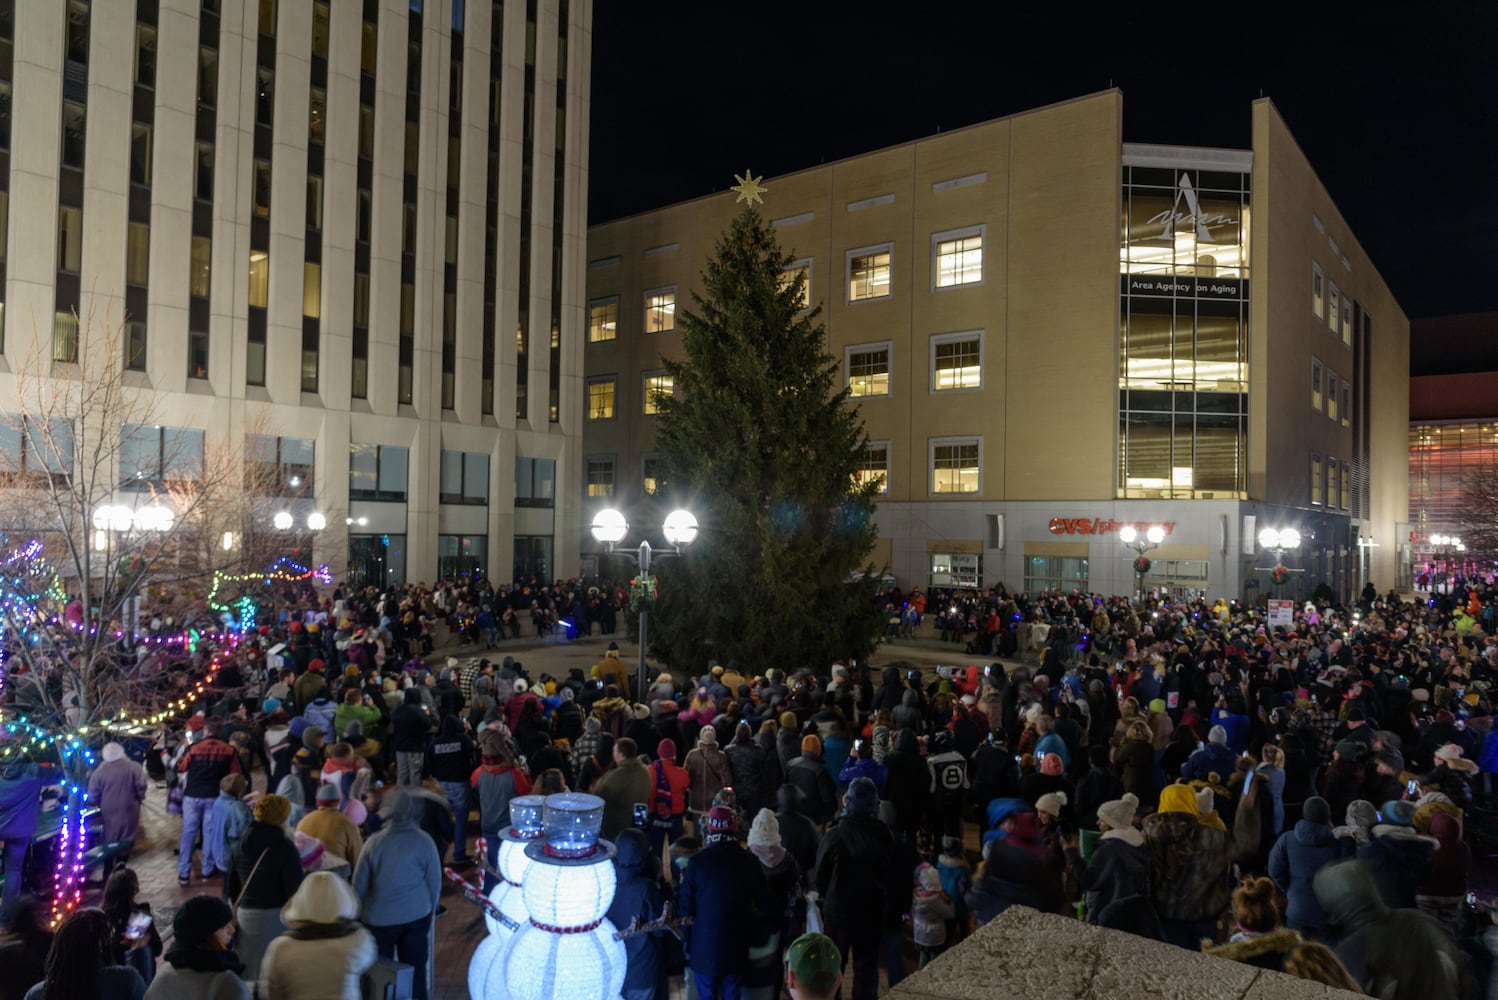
(137, 942)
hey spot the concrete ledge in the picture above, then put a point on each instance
(1025, 953)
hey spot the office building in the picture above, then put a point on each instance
(342, 238)
(1052, 333)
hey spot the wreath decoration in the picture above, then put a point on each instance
(642, 593)
(1142, 565)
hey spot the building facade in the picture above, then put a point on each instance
(342, 238)
(1051, 334)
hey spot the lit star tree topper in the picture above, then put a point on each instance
(749, 188)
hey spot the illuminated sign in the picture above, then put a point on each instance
(1102, 526)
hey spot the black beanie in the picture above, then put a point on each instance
(1316, 810)
(197, 919)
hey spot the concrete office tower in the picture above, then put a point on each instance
(1053, 333)
(351, 230)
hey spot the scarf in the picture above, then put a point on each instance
(769, 855)
(189, 958)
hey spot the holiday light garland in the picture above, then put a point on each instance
(283, 570)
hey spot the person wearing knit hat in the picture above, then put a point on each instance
(813, 968)
(328, 824)
(813, 781)
(1049, 806)
(1119, 868)
(200, 962)
(781, 887)
(1362, 817)
(670, 784)
(327, 950)
(1217, 735)
(708, 771)
(718, 888)
(262, 892)
(1296, 858)
(852, 902)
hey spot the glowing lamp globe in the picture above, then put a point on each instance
(609, 526)
(1156, 534)
(568, 948)
(1127, 534)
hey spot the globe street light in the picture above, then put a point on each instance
(609, 527)
(1278, 540)
(1153, 536)
(1445, 546)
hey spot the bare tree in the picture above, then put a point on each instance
(1479, 514)
(122, 507)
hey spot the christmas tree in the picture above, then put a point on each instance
(760, 440)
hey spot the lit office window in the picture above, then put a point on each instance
(601, 398)
(1316, 384)
(798, 271)
(660, 310)
(959, 258)
(868, 273)
(657, 388)
(868, 370)
(603, 320)
(955, 465)
(873, 466)
(957, 362)
(600, 475)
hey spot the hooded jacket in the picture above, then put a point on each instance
(708, 769)
(1189, 860)
(818, 795)
(399, 874)
(1400, 859)
(907, 780)
(452, 752)
(1265, 951)
(853, 867)
(1016, 872)
(637, 893)
(410, 725)
(1396, 954)
(1297, 856)
(908, 714)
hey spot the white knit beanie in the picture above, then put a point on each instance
(766, 830)
(1119, 814)
(1051, 803)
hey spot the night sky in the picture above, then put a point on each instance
(1395, 104)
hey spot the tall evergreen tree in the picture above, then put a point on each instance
(760, 441)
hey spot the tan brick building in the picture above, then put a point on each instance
(1051, 333)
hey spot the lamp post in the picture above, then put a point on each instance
(1445, 547)
(285, 521)
(610, 527)
(1139, 545)
(116, 523)
(1278, 540)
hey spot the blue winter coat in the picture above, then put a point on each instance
(1296, 858)
(1210, 759)
(1237, 730)
(637, 894)
(721, 882)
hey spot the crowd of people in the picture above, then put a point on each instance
(1304, 797)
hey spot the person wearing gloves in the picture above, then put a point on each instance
(200, 965)
(325, 949)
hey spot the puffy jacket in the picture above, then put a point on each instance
(750, 767)
(1119, 868)
(317, 968)
(497, 784)
(721, 884)
(818, 796)
(1293, 863)
(1214, 758)
(853, 865)
(279, 874)
(1400, 859)
(1189, 861)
